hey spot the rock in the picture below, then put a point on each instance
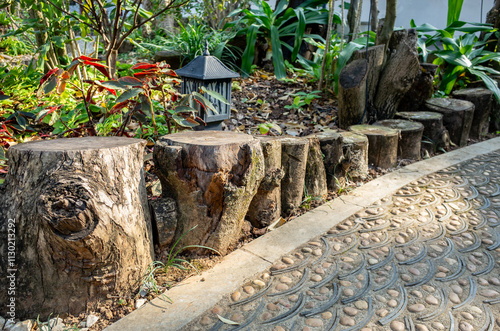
(494, 281)
(307, 250)
(266, 316)
(236, 296)
(372, 261)
(287, 260)
(316, 278)
(382, 312)
(272, 307)
(416, 293)
(421, 327)
(319, 271)
(55, 324)
(326, 315)
(19, 326)
(259, 283)
(454, 298)
(347, 321)
(278, 266)
(138, 304)
(457, 289)
(380, 298)
(437, 326)
(314, 322)
(173, 58)
(490, 293)
(361, 304)
(414, 271)
(324, 290)
(431, 300)
(281, 287)
(350, 311)
(293, 298)
(317, 252)
(464, 326)
(286, 280)
(397, 326)
(392, 303)
(348, 292)
(250, 289)
(238, 317)
(467, 315)
(405, 277)
(393, 293)
(416, 308)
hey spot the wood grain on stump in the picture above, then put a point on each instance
(355, 160)
(482, 99)
(315, 180)
(352, 93)
(410, 137)
(435, 134)
(457, 117)
(382, 146)
(331, 148)
(266, 205)
(82, 222)
(294, 162)
(422, 89)
(213, 176)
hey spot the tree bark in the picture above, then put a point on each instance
(294, 161)
(421, 90)
(315, 180)
(482, 99)
(82, 222)
(355, 161)
(331, 148)
(410, 137)
(374, 15)
(331, 4)
(435, 134)
(213, 176)
(457, 117)
(382, 144)
(266, 205)
(352, 93)
(399, 73)
(493, 18)
(354, 18)
(388, 27)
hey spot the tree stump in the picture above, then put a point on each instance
(422, 89)
(399, 73)
(457, 117)
(375, 56)
(355, 160)
(266, 205)
(331, 147)
(213, 176)
(352, 93)
(482, 99)
(435, 134)
(294, 153)
(410, 137)
(315, 180)
(382, 144)
(82, 222)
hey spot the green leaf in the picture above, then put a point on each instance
(205, 102)
(299, 33)
(215, 95)
(129, 94)
(2, 154)
(454, 58)
(491, 84)
(113, 84)
(248, 54)
(450, 77)
(454, 10)
(278, 60)
(50, 84)
(129, 81)
(21, 121)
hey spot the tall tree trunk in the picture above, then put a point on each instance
(390, 19)
(493, 17)
(354, 18)
(111, 60)
(374, 15)
(328, 40)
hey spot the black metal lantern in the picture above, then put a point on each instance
(210, 72)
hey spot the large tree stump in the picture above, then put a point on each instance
(422, 89)
(82, 223)
(382, 144)
(352, 93)
(331, 147)
(399, 73)
(435, 134)
(375, 57)
(410, 137)
(294, 162)
(457, 117)
(213, 176)
(315, 180)
(355, 161)
(482, 99)
(266, 205)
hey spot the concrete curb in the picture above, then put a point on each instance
(195, 295)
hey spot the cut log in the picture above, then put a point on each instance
(457, 117)
(266, 205)
(82, 223)
(375, 56)
(355, 161)
(352, 93)
(382, 144)
(164, 221)
(315, 180)
(410, 137)
(482, 99)
(435, 134)
(401, 69)
(213, 176)
(422, 89)
(331, 147)
(294, 161)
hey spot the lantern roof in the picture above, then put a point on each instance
(205, 67)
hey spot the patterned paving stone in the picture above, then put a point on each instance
(425, 258)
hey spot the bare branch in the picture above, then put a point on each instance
(73, 16)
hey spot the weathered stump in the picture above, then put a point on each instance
(482, 99)
(213, 176)
(352, 93)
(294, 162)
(355, 160)
(382, 144)
(331, 147)
(422, 89)
(315, 180)
(457, 117)
(266, 205)
(81, 219)
(435, 134)
(410, 137)
(399, 73)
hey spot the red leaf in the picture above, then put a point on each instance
(170, 72)
(47, 75)
(89, 95)
(144, 65)
(101, 88)
(86, 58)
(119, 106)
(130, 81)
(146, 73)
(100, 67)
